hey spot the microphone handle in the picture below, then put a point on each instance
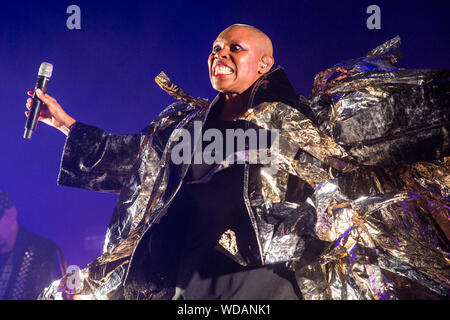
(35, 110)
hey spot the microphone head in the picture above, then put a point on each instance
(46, 69)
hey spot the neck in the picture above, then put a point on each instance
(235, 104)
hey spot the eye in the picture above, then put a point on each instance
(216, 49)
(235, 47)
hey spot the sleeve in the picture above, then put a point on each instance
(96, 160)
(381, 114)
(409, 126)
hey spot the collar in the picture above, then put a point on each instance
(274, 86)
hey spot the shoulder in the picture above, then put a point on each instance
(174, 113)
(178, 109)
(37, 242)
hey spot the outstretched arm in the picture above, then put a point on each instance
(92, 158)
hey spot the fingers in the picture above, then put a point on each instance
(51, 112)
(48, 101)
(45, 97)
(43, 114)
(40, 118)
(42, 96)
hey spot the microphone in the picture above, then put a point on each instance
(44, 74)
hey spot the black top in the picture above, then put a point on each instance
(213, 208)
(30, 267)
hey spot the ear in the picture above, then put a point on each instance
(266, 64)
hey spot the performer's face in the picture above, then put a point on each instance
(235, 61)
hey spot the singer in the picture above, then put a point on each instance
(357, 208)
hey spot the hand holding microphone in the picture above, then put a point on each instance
(43, 107)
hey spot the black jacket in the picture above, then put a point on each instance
(36, 262)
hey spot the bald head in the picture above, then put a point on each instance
(241, 54)
(265, 44)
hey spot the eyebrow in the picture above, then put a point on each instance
(244, 46)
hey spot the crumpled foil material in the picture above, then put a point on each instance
(390, 240)
(372, 225)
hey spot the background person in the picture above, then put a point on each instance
(28, 262)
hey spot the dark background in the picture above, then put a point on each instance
(103, 75)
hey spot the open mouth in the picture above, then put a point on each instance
(221, 69)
